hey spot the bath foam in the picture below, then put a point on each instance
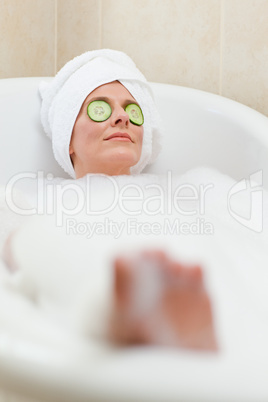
(233, 258)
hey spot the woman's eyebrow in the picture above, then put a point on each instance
(104, 98)
(101, 98)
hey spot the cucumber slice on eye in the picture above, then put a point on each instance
(135, 114)
(99, 110)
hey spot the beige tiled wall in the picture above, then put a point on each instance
(171, 41)
(78, 28)
(219, 46)
(245, 52)
(27, 38)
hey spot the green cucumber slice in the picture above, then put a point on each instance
(99, 110)
(135, 114)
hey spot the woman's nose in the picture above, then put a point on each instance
(120, 117)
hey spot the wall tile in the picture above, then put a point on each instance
(176, 41)
(3, 397)
(79, 28)
(27, 32)
(245, 53)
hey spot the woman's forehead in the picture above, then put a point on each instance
(111, 90)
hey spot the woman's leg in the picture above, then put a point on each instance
(155, 300)
(160, 301)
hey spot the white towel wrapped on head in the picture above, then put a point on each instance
(63, 97)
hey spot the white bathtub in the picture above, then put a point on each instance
(201, 129)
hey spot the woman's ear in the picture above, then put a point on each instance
(71, 151)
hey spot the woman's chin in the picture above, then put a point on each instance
(117, 161)
(125, 158)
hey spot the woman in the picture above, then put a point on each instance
(100, 115)
(111, 146)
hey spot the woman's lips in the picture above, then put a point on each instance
(119, 137)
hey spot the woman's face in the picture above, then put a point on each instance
(92, 149)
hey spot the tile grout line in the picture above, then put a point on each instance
(101, 30)
(56, 38)
(222, 21)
